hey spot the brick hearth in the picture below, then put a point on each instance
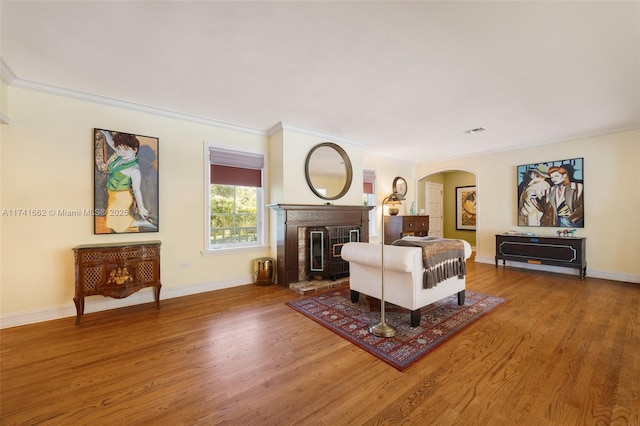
(314, 286)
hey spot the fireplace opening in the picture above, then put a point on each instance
(321, 249)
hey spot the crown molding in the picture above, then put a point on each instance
(104, 100)
(285, 126)
(6, 74)
(4, 119)
(9, 77)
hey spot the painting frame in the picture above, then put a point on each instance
(466, 199)
(125, 182)
(551, 193)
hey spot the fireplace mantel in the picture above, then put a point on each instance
(293, 216)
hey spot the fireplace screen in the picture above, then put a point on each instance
(325, 247)
(316, 251)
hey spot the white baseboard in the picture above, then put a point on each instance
(607, 275)
(99, 303)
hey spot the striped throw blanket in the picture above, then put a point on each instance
(443, 258)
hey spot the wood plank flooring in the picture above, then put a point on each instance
(559, 352)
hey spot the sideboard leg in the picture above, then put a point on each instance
(79, 302)
(156, 293)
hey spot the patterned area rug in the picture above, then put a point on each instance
(439, 321)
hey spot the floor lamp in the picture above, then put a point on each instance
(383, 329)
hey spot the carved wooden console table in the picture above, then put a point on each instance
(116, 270)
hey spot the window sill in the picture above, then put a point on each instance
(233, 250)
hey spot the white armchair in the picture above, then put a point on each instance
(403, 276)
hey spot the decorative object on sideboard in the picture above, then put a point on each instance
(383, 329)
(328, 171)
(393, 207)
(566, 232)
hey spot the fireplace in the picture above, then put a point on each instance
(310, 239)
(320, 251)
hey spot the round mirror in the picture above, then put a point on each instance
(328, 171)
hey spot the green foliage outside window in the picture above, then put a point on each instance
(234, 214)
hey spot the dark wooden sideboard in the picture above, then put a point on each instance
(396, 227)
(115, 270)
(569, 252)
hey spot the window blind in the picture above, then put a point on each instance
(369, 179)
(229, 167)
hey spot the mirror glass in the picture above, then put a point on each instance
(328, 171)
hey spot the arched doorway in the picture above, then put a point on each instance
(448, 180)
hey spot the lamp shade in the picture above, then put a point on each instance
(394, 200)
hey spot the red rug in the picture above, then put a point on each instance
(439, 321)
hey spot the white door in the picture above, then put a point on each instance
(433, 199)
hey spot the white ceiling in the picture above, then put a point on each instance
(407, 79)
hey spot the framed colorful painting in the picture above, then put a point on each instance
(125, 182)
(551, 193)
(466, 197)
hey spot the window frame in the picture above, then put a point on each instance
(369, 176)
(260, 208)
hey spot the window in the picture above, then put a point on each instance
(234, 199)
(369, 190)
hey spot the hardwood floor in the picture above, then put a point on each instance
(559, 352)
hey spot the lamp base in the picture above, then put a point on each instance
(383, 330)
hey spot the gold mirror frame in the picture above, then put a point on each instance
(321, 163)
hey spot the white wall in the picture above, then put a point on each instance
(46, 162)
(612, 198)
(387, 170)
(47, 154)
(288, 147)
(296, 146)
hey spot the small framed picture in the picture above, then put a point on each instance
(466, 208)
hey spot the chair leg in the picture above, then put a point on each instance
(415, 318)
(355, 296)
(461, 298)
